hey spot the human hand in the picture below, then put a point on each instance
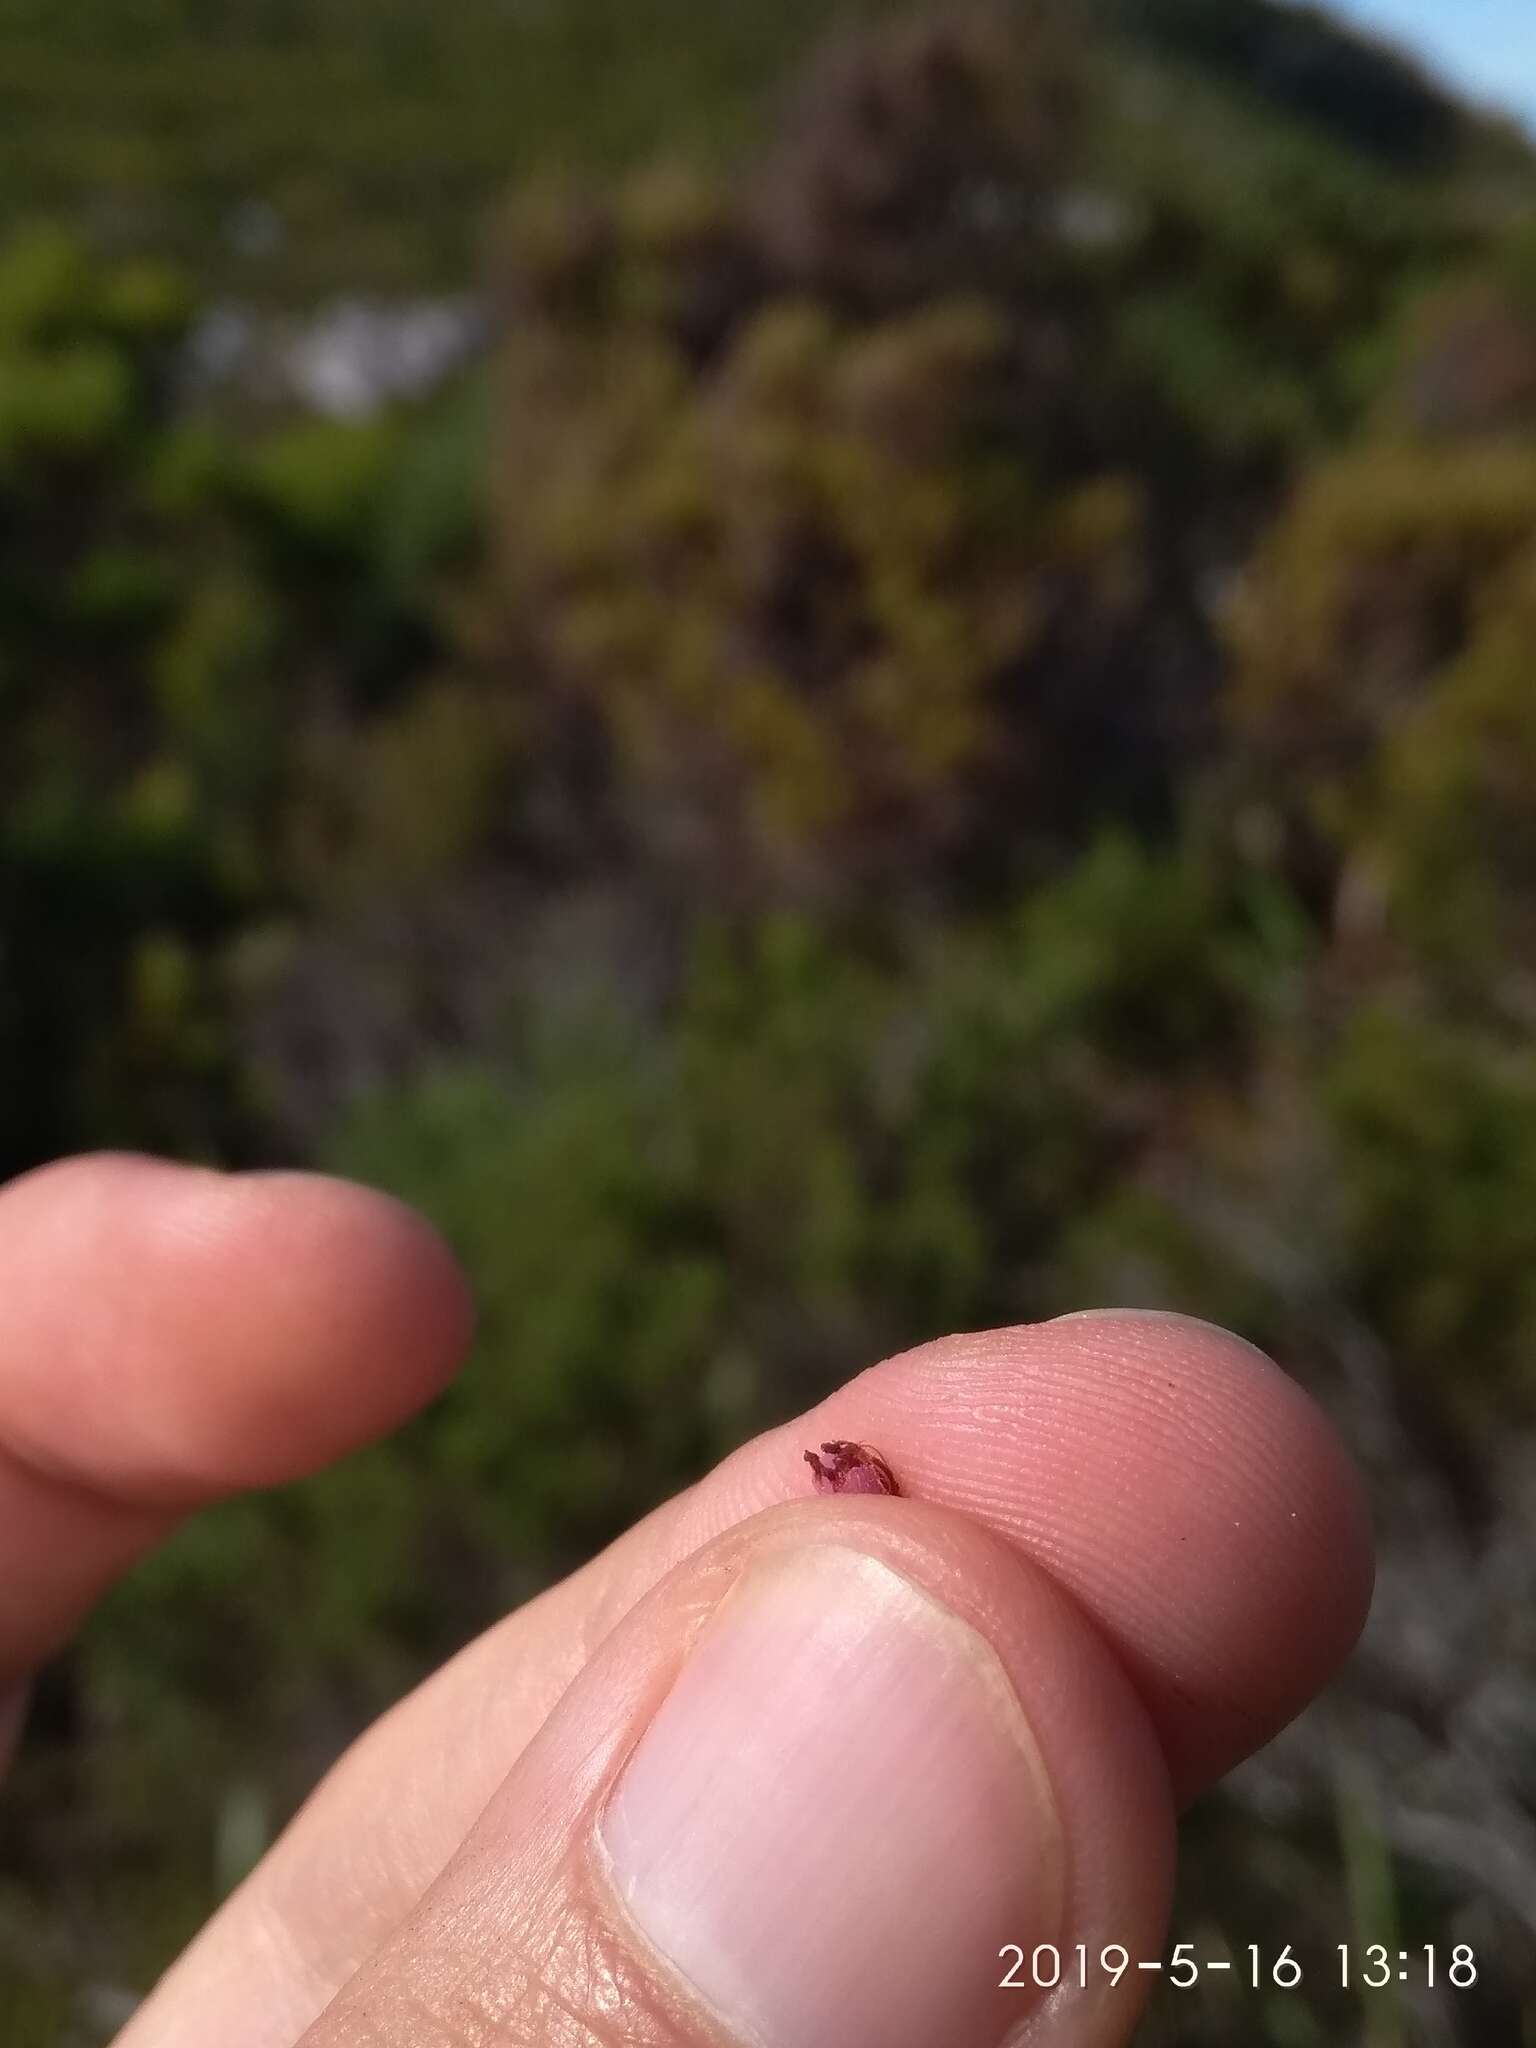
(774, 1770)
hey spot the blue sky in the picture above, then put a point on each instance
(1488, 46)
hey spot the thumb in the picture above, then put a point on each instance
(815, 1791)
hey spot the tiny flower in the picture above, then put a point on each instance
(850, 1468)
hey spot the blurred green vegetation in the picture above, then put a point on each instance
(213, 130)
(940, 730)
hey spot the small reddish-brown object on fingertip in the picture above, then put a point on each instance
(850, 1468)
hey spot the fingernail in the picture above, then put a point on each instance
(839, 1816)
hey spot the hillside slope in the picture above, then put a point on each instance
(292, 150)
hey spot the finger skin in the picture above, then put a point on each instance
(1185, 1493)
(170, 1335)
(522, 1939)
(1182, 1487)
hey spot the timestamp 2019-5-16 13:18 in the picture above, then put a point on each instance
(1352, 1966)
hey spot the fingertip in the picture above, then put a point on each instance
(1258, 1517)
(375, 1308)
(173, 1333)
(1306, 1492)
(1184, 1489)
